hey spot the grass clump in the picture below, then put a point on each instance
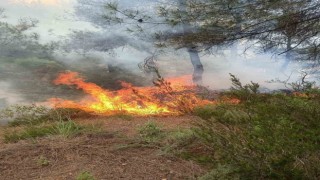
(265, 136)
(85, 175)
(150, 132)
(65, 129)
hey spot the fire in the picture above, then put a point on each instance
(171, 97)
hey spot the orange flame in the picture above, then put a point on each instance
(172, 97)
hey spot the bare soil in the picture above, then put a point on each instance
(102, 154)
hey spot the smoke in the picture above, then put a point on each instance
(255, 67)
(8, 96)
(259, 69)
(248, 66)
(106, 56)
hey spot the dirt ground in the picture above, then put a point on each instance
(106, 155)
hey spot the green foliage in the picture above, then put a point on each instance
(243, 92)
(266, 136)
(85, 175)
(150, 132)
(248, 88)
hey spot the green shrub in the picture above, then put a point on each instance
(150, 132)
(266, 136)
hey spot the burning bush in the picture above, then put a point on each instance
(169, 97)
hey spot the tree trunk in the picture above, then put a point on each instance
(193, 53)
(197, 66)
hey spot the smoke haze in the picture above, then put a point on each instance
(31, 80)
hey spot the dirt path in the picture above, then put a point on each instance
(106, 155)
